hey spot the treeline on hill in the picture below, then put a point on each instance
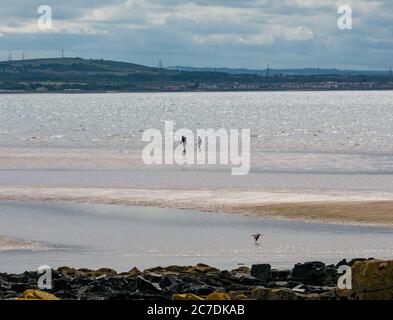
(101, 75)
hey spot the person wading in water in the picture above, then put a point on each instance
(184, 142)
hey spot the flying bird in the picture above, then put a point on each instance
(256, 237)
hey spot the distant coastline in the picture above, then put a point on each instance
(77, 75)
(188, 91)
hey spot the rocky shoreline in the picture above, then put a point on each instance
(371, 279)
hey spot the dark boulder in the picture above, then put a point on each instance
(168, 281)
(202, 290)
(95, 289)
(248, 280)
(225, 278)
(20, 287)
(25, 277)
(261, 271)
(144, 285)
(8, 295)
(61, 284)
(152, 277)
(4, 285)
(309, 273)
(280, 275)
(331, 276)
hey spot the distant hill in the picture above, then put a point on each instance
(273, 72)
(88, 74)
(80, 66)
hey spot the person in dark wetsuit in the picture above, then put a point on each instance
(184, 142)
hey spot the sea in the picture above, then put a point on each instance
(300, 141)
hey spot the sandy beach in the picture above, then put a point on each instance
(11, 244)
(335, 207)
(115, 176)
(353, 212)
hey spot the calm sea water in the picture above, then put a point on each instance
(327, 122)
(96, 236)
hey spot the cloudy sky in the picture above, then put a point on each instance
(230, 33)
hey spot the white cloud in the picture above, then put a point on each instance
(31, 27)
(148, 29)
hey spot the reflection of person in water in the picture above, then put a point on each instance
(199, 143)
(184, 142)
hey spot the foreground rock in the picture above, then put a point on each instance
(371, 279)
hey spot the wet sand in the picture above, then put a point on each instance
(11, 244)
(354, 212)
(304, 186)
(335, 207)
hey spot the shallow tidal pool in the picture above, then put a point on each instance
(121, 237)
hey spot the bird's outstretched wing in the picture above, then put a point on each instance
(256, 236)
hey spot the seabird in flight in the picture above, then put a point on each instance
(256, 237)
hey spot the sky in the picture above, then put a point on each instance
(205, 33)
